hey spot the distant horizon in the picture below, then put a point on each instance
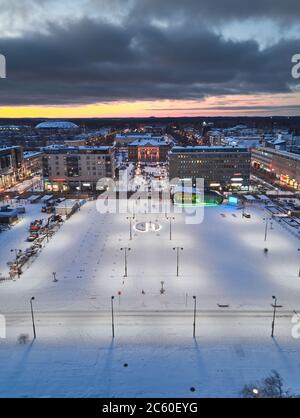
(230, 107)
(152, 117)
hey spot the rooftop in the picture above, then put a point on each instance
(204, 148)
(80, 147)
(57, 125)
(9, 147)
(151, 141)
(278, 152)
(57, 148)
(29, 154)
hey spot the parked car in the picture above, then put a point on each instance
(246, 215)
(32, 237)
(35, 225)
(21, 209)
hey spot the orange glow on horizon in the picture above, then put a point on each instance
(210, 106)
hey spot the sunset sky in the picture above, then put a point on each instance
(117, 58)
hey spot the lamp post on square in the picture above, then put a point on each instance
(130, 218)
(112, 317)
(177, 249)
(170, 219)
(125, 249)
(266, 227)
(275, 306)
(17, 253)
(195, 311)
(243, 209)
(32, 317)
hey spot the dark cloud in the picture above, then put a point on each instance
(219, 10)
(255, 108)
(88, 61)
(211, 10)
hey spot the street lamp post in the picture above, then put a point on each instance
(170, 218)
(177, 253)
(194, 323)
(274, 315)
(112, 317)
(130, 226)
(17, 262)
(32, 317)
(266, 227)
(125, 249)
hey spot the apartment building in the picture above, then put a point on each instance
(281, 165)
(220, 166)
(11, 160)
(68, 168)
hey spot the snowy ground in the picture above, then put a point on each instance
(74, 355)
(222, 262)
(34, 184)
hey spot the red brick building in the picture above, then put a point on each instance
(149, 150)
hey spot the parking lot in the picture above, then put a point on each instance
(22, 240)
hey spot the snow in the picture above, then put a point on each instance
(56, 125)
(75, 356)
(222, 262)
(249, 197)
(34, 184)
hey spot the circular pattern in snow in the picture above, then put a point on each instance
(147, 226)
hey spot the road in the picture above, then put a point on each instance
(74, 353)
(33, 184)
(46, 318)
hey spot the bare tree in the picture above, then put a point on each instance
(269, 387)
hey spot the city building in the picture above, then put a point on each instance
(281, 165)
(154, 130)
(57, 125)
(124, 139)
(9, 128)
(76, 168)
(216, 137)
(152, 150)
(219, 166)
(78, 142)
(279, 144)
(242, 141)
(11, 160)
(32, 163)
